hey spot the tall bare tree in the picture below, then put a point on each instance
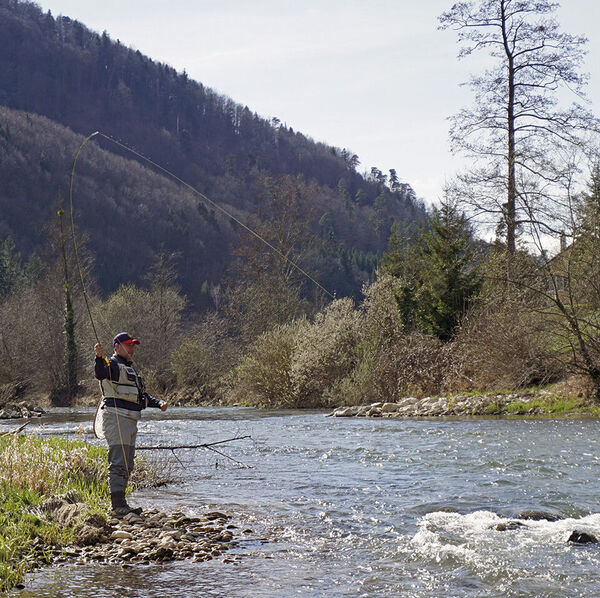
(521, 139)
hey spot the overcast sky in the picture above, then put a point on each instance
(373, 76)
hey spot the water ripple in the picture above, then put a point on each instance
(369, 508)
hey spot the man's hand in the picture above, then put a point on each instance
(163, 406)
(99, 350)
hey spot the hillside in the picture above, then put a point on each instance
(82, 81)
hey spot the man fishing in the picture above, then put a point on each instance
(123, 398)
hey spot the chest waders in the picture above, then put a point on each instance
(120, 428)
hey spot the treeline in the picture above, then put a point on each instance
(58, 68)
(441, 317)
(117, 199)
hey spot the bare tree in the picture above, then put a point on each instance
(522, 143)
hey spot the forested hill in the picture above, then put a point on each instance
(76, 78)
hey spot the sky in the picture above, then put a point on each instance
(374, 76)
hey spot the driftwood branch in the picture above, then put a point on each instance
(189, 446)
(15, 431)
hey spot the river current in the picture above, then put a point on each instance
(364, 507)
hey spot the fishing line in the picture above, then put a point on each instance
(193, 190)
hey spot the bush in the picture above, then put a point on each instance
(327, 350)
(264, 376)
(299, 364)
(505, 346)
(193, 363)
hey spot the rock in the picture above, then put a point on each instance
(509, 525)
(162, 552)
(538, 516)
(224, 537)
(389, 408)
(121, 535)
(88, 536)
(578, 537)
(215, 515)
(132, 518)
(153, 537)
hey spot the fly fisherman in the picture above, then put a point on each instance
(124, 398)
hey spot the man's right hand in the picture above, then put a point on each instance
(99, 350)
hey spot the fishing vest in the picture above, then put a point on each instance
(128, 387)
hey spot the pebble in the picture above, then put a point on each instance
(154, 537)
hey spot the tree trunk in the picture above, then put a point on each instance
(511, 195)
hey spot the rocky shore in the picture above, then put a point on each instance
(20, 410)
(459, 405)
(152, 537)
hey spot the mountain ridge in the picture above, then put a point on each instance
(84, 81)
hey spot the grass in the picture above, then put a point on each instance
(550, 405)
(32, 469)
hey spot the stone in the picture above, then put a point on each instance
(162, 552)
(121, 535)
(215, 515)
(389, 408)
(538, 516)
(578, 537)
(509, 525)
(342, 412)
(89, 535)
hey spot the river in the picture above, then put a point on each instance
(365, 507)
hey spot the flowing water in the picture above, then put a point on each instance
(366, 507)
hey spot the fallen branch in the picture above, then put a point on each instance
(188, 446)
(15, 431)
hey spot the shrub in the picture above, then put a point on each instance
(505, 346)
(193, 363)
(327, 350)
(264, 376)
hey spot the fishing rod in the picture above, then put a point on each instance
(86, 140)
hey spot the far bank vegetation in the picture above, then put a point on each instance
(439, 318)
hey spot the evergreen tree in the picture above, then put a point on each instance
(439, 273)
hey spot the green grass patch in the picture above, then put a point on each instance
(550, 405)
(32, 469)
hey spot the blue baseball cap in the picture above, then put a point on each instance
(124, 338)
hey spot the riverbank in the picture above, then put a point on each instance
(55, 510)
(529, 402)
(568, 398)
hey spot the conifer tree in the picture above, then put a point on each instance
(439, 273)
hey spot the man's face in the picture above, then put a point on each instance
(125, 350)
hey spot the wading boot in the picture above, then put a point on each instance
(120, 508)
